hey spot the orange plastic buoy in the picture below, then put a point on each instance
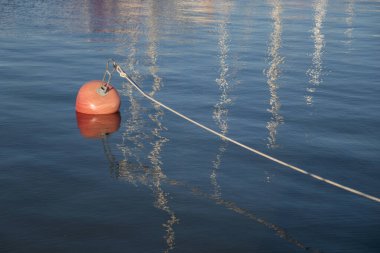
(98, 125)
(97, 97)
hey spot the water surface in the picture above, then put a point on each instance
(296, 80)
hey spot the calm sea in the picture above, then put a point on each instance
(298, 80)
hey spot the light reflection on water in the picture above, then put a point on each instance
(350, 10)
(134, 138)
(220, 113)
(152, 176)
(316, 70)
(273, 73)
(154, 156)
(201, 12)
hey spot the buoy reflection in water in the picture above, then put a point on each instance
(98, 125)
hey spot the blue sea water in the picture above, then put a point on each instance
(298, 80)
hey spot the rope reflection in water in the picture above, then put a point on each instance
(280, 232)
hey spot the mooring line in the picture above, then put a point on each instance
(137, 87)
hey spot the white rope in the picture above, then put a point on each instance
(359, 193)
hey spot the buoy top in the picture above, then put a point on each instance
(97, 97)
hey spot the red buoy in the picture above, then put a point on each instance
(97, 97)
(98, 125)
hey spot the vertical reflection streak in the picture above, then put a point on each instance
(316, 69)
(220, 113)
(273, 73)
(161, 201)
(152, 49)
(349, 21)
(132, 136)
